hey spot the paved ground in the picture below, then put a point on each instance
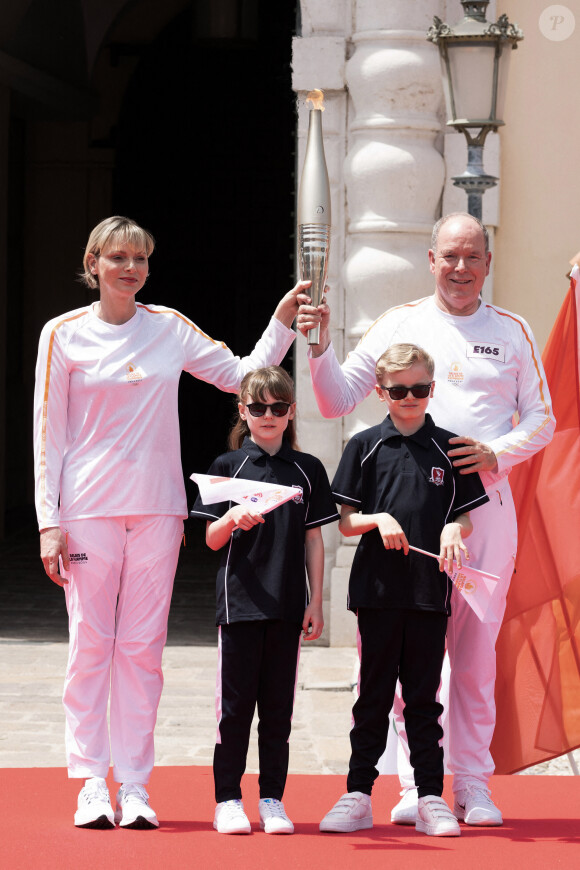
(33, 722)
(33, 649)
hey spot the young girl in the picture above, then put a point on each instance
(262, 595)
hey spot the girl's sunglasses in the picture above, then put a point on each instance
(419, 391)
(258, 409)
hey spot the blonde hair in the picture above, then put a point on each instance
(403, 356)
(274, 380)
(111, 231)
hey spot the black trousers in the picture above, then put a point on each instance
(257, 665)
(408, 645)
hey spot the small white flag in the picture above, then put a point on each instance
(262, 497)
(477, 587)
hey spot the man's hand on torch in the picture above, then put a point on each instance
(310, 316)
(289, 305)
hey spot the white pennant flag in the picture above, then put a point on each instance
(477, 587)
(262, 497)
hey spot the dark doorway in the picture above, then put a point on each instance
(204, 156)
(205, 160)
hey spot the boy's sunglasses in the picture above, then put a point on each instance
(278, 409)
(419, 391)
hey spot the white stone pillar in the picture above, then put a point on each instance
(386, 194)
(394, 175)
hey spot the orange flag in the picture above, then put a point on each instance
(538, 649)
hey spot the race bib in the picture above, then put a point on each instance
(483, 350)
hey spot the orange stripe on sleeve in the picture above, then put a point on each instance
(188, 322)
(45, 409)
(538, 372)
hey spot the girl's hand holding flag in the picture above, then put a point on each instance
(258, 497)
(245, 518)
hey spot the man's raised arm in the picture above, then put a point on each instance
(338, 389)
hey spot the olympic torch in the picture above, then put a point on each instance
(314, 210)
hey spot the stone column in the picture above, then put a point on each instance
(386, 195)
(394, 176)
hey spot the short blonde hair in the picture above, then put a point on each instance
(108, 232)
(402, 356)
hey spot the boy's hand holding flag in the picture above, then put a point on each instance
(477, 587)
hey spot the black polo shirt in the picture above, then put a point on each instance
(412, 478)
(262, 574)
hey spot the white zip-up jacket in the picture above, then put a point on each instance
(106, 428)
(489, 379)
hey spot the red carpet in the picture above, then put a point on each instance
(541, 828)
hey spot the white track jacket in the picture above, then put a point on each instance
(106, 428)
(489, 379)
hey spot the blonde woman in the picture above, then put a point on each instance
(111, 502)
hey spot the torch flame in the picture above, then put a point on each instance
(316, 97)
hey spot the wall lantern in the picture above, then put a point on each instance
(475, 57)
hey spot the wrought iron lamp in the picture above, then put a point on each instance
(475, 56)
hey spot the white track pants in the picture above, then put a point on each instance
(469, 720)
(118, 597)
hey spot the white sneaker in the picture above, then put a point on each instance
(94, 805)
(352, 812)
(405, 812)
(273, 818)
(474, 806)
(230, 818)
(133, 810)
(435, 818)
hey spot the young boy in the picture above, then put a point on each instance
(397, 487)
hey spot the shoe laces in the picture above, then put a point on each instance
(478, 792)
(96, 791)
(275, 807)
(233, 808)
(134, 791)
